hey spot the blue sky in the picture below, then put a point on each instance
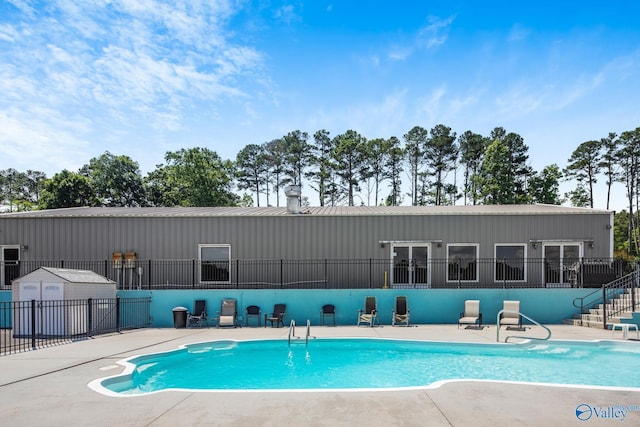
(143, 77)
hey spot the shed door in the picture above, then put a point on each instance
(26, 293)
(410, 266)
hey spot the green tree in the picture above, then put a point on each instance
(393, 169)
(472, 147)
(375, 153)
(415, 141)
(544, 187)
(521, 172)
(252, 170)
(496, 178)
(297, 157)
(579, 196)
(275, 159)
(321, 164)
(584, 165)
(195, 177)
(116, 180)
(441, 154)
(348, 158)
(629, 158)
(67, 190)
(609, 161)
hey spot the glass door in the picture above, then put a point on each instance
(562, 263)
(410, 266)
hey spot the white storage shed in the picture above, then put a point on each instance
(61, 295)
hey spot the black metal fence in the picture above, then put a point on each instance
(344, 273)
(28, 325)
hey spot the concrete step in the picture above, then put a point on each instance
(593, 318)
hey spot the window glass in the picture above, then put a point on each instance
(215, 263)
(509, 263)
(462, 262)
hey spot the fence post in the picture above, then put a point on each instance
(370, 275)
(326, 273)
(281, 273)
(237, 273)
(89, 316)
(634, 286)
(118, 314)
(193, 267)
(33, 324)
(604, 307)
(149, 273)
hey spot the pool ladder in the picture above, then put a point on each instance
(517, 336)
(292, 331)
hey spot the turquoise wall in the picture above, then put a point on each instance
(550, 306)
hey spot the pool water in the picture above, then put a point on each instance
(353, 363)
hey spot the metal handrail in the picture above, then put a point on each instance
(308, 331)
(608, 292)
(516, 336)
(292, 327)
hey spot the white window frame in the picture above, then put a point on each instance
(524, 262)
(214, 245)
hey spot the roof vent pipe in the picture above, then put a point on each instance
(293, 194)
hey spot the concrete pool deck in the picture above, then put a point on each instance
(49, 387)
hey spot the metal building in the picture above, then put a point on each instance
(406, 246)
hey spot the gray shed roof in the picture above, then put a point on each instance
(151, 212)
(75, 276)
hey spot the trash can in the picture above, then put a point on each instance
(179, 317)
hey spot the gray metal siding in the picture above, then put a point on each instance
(291, 237)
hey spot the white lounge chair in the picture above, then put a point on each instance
(228, 314)
(471, 314)
(511, 315)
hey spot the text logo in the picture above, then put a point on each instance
(584, 412)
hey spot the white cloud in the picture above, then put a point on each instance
(435, 33)
(429, 37)
(518, 33)
(128, 63)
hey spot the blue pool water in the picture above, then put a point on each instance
(373, 364)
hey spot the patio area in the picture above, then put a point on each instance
(49, 387)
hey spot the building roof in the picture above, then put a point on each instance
(172, 212)
(76, 276)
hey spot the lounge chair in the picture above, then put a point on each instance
(277, 316)
(228, 314)
(370, 313)
(253, 311)
(471, 314)
(511, 315)
(328, 310)
(400, 312)
(199, 315)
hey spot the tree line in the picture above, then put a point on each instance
(440, 168)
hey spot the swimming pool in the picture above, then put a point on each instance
(372, 364)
